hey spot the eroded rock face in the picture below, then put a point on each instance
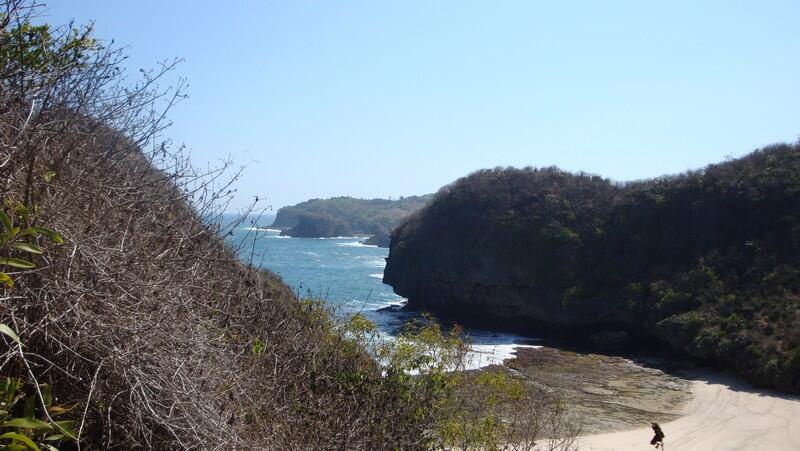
(309, 226)
(380, 239)
(707, 263)
(502, 248)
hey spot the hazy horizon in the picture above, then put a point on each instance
(379, 100)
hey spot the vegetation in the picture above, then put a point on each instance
(458, 410)
(13, 238)
(347, 216)
(20, 409)
(707, 262)
(143, 321)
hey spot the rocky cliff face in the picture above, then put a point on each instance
(379, 239)
(706, 262)
(309, 226)
(492, 243)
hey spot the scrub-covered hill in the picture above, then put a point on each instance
(347, 216)
(706, 262)
(126, 322)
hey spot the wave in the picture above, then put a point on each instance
(278, 236)
(261, 229)
(480, 356)
(355, 244)
(377, 275)
(269, 230)
(490, 348)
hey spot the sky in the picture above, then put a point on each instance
(388, 99)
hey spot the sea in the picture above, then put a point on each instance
(348, 276)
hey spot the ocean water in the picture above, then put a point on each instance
(348, 276)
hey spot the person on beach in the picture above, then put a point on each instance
(658, 439)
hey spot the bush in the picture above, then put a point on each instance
(524, 243)
(144, 319)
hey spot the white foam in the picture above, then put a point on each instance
(355, 244)
(396, 303)
(278, 236)
(261, 229)
(481, 356)
(377, 275)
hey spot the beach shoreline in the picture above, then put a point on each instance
(615, 398)
(604, 392)
(724, 413)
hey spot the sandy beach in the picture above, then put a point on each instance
(724, 414)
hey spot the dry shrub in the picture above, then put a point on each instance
(144, 317)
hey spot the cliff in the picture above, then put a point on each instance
(347, 216)
(706, 262)
(381, 240)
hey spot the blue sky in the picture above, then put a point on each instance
(379, 99)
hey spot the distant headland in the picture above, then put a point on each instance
(347, 216)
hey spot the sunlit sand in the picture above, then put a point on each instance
(725, 414)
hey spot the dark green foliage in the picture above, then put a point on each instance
(346, 216)
(23, 422)
(707, 261)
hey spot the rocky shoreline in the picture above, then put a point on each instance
(605, 393)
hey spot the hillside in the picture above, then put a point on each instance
(347, 216)
(706, 262)
(126, 322)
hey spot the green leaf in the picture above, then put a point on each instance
(7, 330)
(60, 410)
(54, 438)
(28, 423)
(65, 427)
(20, 438)
(21, 210)
(47, 176)
(54, 237)
(4, 278)
(10, 387)
(17, 263)
(32, 248)
(13, 447)
(47, 394)
(30, 407)
(6, 221)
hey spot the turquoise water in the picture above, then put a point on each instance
(347, 275)
(341, 271)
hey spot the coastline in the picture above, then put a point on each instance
(615, 398)
(602, 392)
(725, 413)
